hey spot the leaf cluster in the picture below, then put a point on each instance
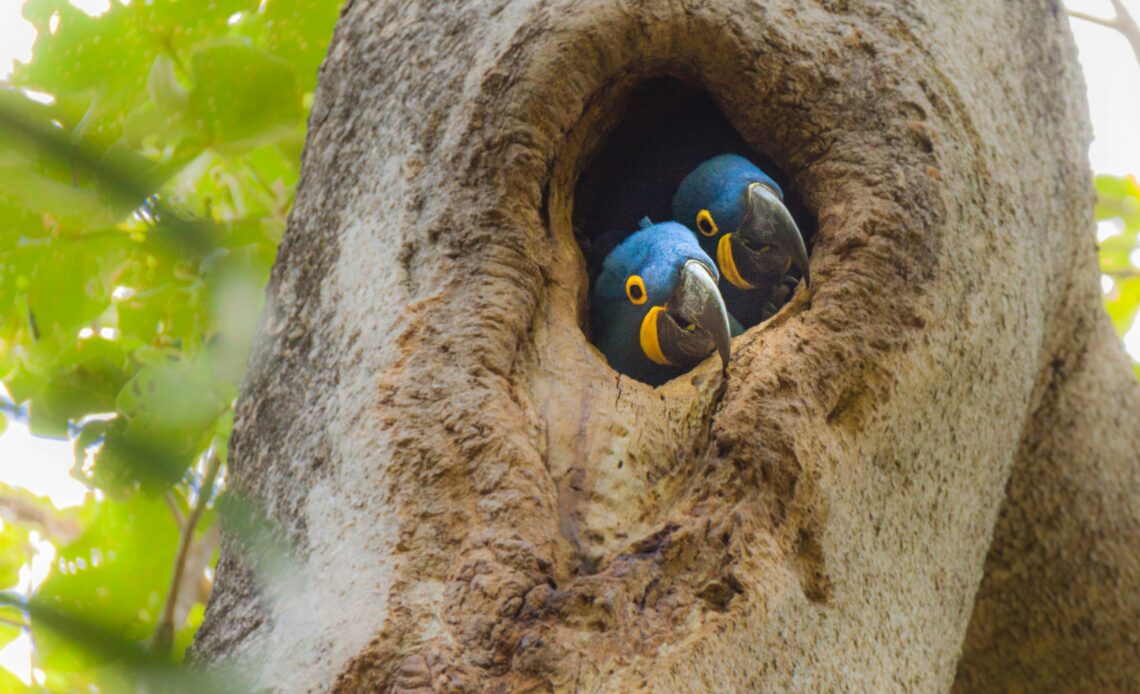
(1118, 203)
(148, 158)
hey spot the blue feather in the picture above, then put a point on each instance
(720, 186)
(656, 253)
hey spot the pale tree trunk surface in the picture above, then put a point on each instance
(921, 477)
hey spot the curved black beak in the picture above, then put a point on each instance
(694, 321)
(768, 226)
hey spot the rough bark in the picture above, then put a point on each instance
(475, 501)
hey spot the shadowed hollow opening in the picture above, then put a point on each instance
(666, 129)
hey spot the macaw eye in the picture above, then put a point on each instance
(635, 290)
(705, 223)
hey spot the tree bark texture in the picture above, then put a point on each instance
(922, 475)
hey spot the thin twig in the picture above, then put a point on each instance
(13, 622)
(164, 632)
(1107, 23)
(1128, 27)
(1121, 21)
(172, 504)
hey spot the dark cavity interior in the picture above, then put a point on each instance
(667, 129)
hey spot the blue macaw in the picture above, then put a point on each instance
(738, 214)
(655, 309)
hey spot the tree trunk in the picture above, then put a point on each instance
(922, 474)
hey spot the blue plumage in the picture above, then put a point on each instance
(737, 213)
(718, 185)
(655, 296)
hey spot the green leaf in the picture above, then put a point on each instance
(98, 658)
(52, 203)
(15, 551)
(243, 96)
(71, 284)
(104, 179)
(169, 413)
(134, 455)
(165, 314)
(185, 636)
(1119, 197)
(1123, 302)
(90, 434)
(86, 378)
(8, 681)
(165, 89)
(101, 64)
(177, 395)
(115, 574)
(301, 30)
(22, 382)
(148, 198)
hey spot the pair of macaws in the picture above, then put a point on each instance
(661, 304)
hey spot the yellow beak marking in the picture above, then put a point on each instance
(649, 342)
(728, 265)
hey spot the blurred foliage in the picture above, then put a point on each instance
(148, 164)
(1118, 203)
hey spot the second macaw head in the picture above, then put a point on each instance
(738, 214)
(655, 307)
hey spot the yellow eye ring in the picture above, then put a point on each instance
(635, 290)
(705, 223)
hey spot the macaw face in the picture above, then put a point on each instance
(656, 308)
(739, 216)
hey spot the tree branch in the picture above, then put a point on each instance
(174, 510)
(1122, 274)
(164, 631)
(1107, 23)
(1121, 21)
(1128, 27)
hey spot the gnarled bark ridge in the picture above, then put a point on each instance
(923, 473)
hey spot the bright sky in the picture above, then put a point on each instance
(1113, 79)
(1111, 72)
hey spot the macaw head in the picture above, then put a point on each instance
(655, 307)
(738, 214)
